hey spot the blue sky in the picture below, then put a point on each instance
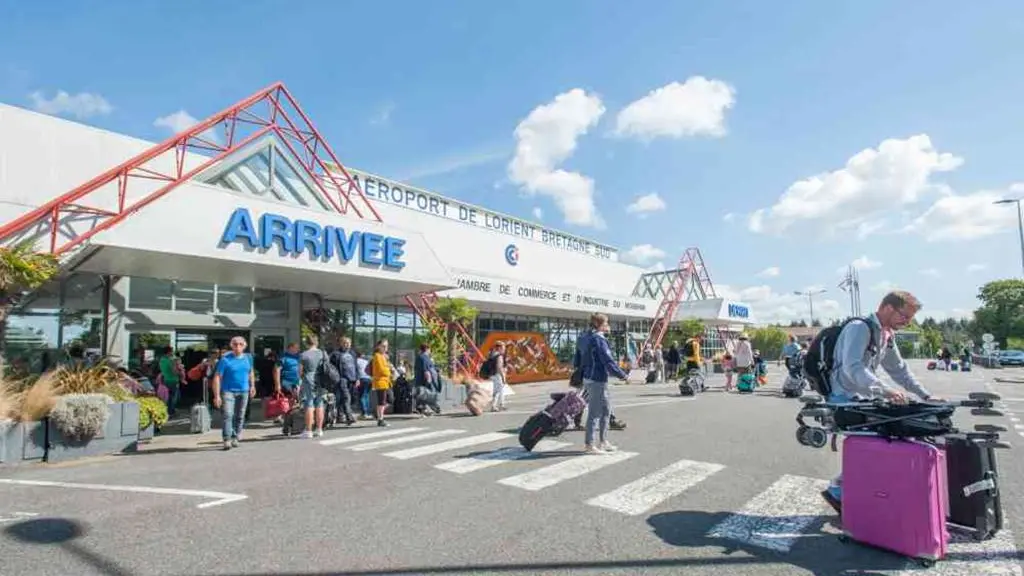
(433, 93)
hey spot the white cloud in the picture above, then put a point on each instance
(862, 263)
(862, 196)
(770, 307)
(694, 108)
(538, 213)
(82, 105)
(453, 163)
(976, 267)
(770, 272)
(933, 272)
(658, 266)
(729, 217)
(884, 286)
(646, 204)
(642, 255)
(181, 121)
(968, 216)
(546, 138)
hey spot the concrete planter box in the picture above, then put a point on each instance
(452, 395)
(147, 433)
(22, 442)
(121, 434)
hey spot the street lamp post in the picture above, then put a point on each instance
(1020, 225)
(810, 299)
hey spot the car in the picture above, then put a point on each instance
(1011, 357)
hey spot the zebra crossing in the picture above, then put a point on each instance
(775, 519)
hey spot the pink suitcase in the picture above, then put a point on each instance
(894, 496)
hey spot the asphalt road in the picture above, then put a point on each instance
(715, 485)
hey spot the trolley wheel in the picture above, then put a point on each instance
(817, 437)
(844, 538)
(801, 435)
(926, 562)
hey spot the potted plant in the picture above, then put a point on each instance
(152, 415)
(84, 392)
(23, 430)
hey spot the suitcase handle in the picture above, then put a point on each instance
(980, 486)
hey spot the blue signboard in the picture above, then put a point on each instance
(321, 242)
(738, 311)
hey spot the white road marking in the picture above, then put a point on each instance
(1019, 426)
(217, 497)
(1014, 419)
(777, 517)
(575, 467)
(449, 445)
(15, 516)
(368, 436)
(965, 557)
(647, 492)
(500, 456)
(404, 439)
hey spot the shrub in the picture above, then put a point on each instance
(8, 401)
(151, 410)
(35, 402)
(80, 416)
(80, 379)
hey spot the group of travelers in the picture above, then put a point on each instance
(664, 364)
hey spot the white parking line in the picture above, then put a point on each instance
(404, 439)
(566, 470)
(449, 445)
(15, 516)
(776, 518)
(500, 456)
(367, 436)
(217, 497)
(641, 495)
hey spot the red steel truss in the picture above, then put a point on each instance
(272, 110)
(691, 268)
(425, 305)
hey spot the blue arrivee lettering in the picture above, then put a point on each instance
(320, 242)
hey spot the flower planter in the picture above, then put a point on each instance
(121, 434)
(147, 433)
(22, 442)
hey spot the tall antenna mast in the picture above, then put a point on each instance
(851, 285)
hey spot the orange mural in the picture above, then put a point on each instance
(528, 357)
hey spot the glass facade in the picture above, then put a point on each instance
(204, 297)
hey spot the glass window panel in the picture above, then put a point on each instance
(30, 343)
(193, 296)
(83, 328)
(385, 316)
(362, 340)
(270, 302)
(405, 317)
(83, 291)
(150, 294)
(234, 299)
(404, 345)
(365, 315)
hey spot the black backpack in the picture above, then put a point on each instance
(327, 374)
(488, 367)
(820, 357)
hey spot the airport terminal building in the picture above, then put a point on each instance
(249, 246)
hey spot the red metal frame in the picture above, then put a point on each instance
(691, 265)
(272, 110)
(425, 306)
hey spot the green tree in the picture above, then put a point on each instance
(1002, 311)
(769, 341)
(454, 312)
(22, 270)
(906, 348)
(682, 331)
(931, 341)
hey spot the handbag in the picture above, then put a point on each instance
(277, 405)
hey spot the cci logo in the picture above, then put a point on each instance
(511, 254)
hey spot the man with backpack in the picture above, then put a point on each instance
(842, 360)
(317, 374)
(345, 363)
(691, 353)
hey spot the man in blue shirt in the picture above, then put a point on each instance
(595, 360)
(286, 373)
(790, 350)
(233, 386)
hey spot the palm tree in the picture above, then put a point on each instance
(22, 270)
(454, 312)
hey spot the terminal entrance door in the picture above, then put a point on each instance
(266, 348)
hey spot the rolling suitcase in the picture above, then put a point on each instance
(199, 419)
(534, 430)
(973, 480)
(568, 407)
(652, 376)
(894, 496)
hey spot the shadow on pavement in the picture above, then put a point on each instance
(62, 533)
(815, 551)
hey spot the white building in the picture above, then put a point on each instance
(248, 246)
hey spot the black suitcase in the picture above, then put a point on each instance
(974, 500)
(534, 430)
(652, 376)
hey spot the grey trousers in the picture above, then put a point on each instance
(599, 411)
